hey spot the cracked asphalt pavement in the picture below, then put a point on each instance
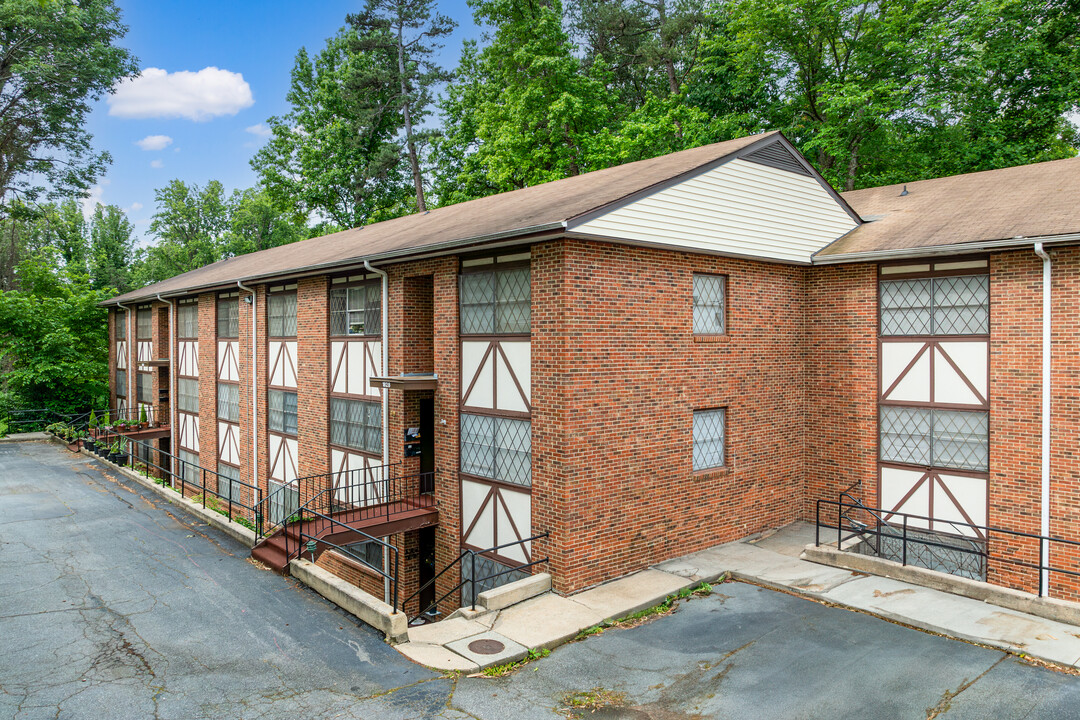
(114, 604)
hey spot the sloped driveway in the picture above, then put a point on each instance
(114, 605)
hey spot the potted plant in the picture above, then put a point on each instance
(142, 416)
(92, 423)
(107, 422)
(121, 453)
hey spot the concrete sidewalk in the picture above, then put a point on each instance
(549, 620)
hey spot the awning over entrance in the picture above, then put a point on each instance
(408, 381)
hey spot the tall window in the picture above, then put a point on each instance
(121, 324)
(496, 301)
(187, 319)
(228, 315)
(709, 304)
(282, 416)
(145, 389)
(229, 486)
(498, 448)
(228, 402)
(710, 426)
(356, 424)
(187, 392)
(121, 383)
(356, 310)
(144, 323)
(282, 313)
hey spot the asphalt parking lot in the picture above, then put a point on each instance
(115, 604)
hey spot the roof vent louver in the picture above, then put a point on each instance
(775, 155)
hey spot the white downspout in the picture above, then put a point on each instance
(127, 342)
(384, 302)
(1044, 528)
(254, 395)
(172, 383)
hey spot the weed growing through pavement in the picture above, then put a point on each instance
(648, 614)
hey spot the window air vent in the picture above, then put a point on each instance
(777, 156)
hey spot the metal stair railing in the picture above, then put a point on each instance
(472, 580)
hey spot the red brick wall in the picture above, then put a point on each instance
(841, 412)
(312, 376)
(633, 376)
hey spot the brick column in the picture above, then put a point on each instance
(208, 381)
(312, 376)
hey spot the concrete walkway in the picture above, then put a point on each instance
(550, 620)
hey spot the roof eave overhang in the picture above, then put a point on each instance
(1013, 243)
(532, 233)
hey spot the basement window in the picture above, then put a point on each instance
(710, 427)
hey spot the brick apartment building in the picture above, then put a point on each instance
(644, 361)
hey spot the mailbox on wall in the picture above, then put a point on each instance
(412, 442)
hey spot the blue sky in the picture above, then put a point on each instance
(185, 120)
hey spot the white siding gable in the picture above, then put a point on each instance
(739, 208)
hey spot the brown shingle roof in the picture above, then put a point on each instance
(1026, 201)
(511, 213)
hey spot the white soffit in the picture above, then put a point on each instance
(740, 208)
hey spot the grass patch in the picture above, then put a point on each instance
(576, 704)
(507, 668)
(651, 613)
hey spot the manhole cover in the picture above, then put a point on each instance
(486, 646)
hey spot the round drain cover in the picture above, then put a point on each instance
(486, 646)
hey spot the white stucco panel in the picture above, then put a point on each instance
(896, 484)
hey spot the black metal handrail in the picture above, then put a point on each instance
(320, 483)
(169, 475)
(311, 544)
(980, 549)
(395, 494)
(472, 580)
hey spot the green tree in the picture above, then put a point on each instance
(112, 248)
(524, 110)
(190, 224)
(256, 223)
(56, 58)
(334, 156)
(402, 31)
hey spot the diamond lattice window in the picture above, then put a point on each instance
(187, 320)
(709, 430)
(282, 415)
(905, 435)
(229, 486)
(228, 402)
(228, 316)
(356, 310)
(121, 325)
(936, 306)
(489, 574)
(709, 304)
(930, 437)
(187, 395)
(121, 383)
(497, 448)
(282, 311)
(356, 424)
(497, 302)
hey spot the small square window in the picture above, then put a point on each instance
(709, 431)
(709, 304)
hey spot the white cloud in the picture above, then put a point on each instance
(154, 142)
(156, 164)
(259, 130)
(198, 96)
(91, 201)
(135, 207)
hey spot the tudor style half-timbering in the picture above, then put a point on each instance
(496, 429)
(636, 363)
(187, 381)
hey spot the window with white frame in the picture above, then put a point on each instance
(187, 395)
(282, 416)
(228, 402)
(356, 310)
(710, 303)
(498, 448)
(356, 424)
(710, 427)
(282, 313)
